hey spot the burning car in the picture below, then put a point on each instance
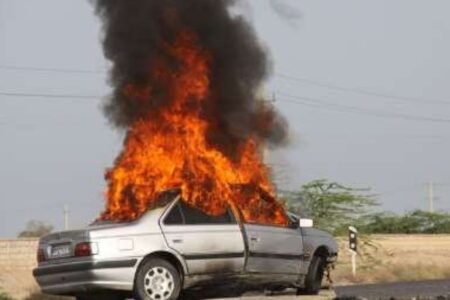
(187, 79)
(175, 246)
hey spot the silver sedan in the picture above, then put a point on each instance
(176, 247)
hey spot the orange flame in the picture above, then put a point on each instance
(169, 149)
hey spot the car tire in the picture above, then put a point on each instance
(157, 279)
(313, 280)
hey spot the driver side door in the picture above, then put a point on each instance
(274, 249)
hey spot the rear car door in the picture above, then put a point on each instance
(209, 244)
(273, 249)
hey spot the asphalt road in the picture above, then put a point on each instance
(433, 289)
(405, 290)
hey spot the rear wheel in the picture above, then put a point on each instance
(313, 281)
(157, 279)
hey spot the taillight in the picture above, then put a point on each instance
(40, 255)
(85, 249)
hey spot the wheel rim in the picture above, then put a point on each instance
(159, 284)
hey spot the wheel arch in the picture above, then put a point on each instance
(172, 258)
(322, 251)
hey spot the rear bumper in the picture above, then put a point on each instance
(79, 277)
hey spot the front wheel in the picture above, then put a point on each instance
(157, 279)
(313, 281)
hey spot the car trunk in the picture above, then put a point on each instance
(61, 246)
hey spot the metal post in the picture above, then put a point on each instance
(66, 217)
(353, 246)
(354, 263)
(431, 196)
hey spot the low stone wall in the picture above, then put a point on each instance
(17, 260)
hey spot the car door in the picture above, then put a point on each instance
(209, 244)
(273, 249)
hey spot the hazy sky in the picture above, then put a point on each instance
(53, 151)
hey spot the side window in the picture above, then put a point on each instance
(174, 217)
(193, 216)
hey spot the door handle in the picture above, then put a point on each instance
(254, 239)
(177, 241)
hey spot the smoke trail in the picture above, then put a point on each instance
(285, 11)
(135, 32)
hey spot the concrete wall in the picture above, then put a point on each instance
(17, 260)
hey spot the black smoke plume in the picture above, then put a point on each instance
(133, 32)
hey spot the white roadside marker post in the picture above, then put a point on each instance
(353, 246)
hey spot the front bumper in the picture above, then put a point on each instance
(78, 277)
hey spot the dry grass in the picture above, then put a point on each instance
(391, 258)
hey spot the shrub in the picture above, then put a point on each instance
(416, 222)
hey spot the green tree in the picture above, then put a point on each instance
(332, 206)
(35, 229)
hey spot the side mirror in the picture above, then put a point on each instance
(306, 223)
